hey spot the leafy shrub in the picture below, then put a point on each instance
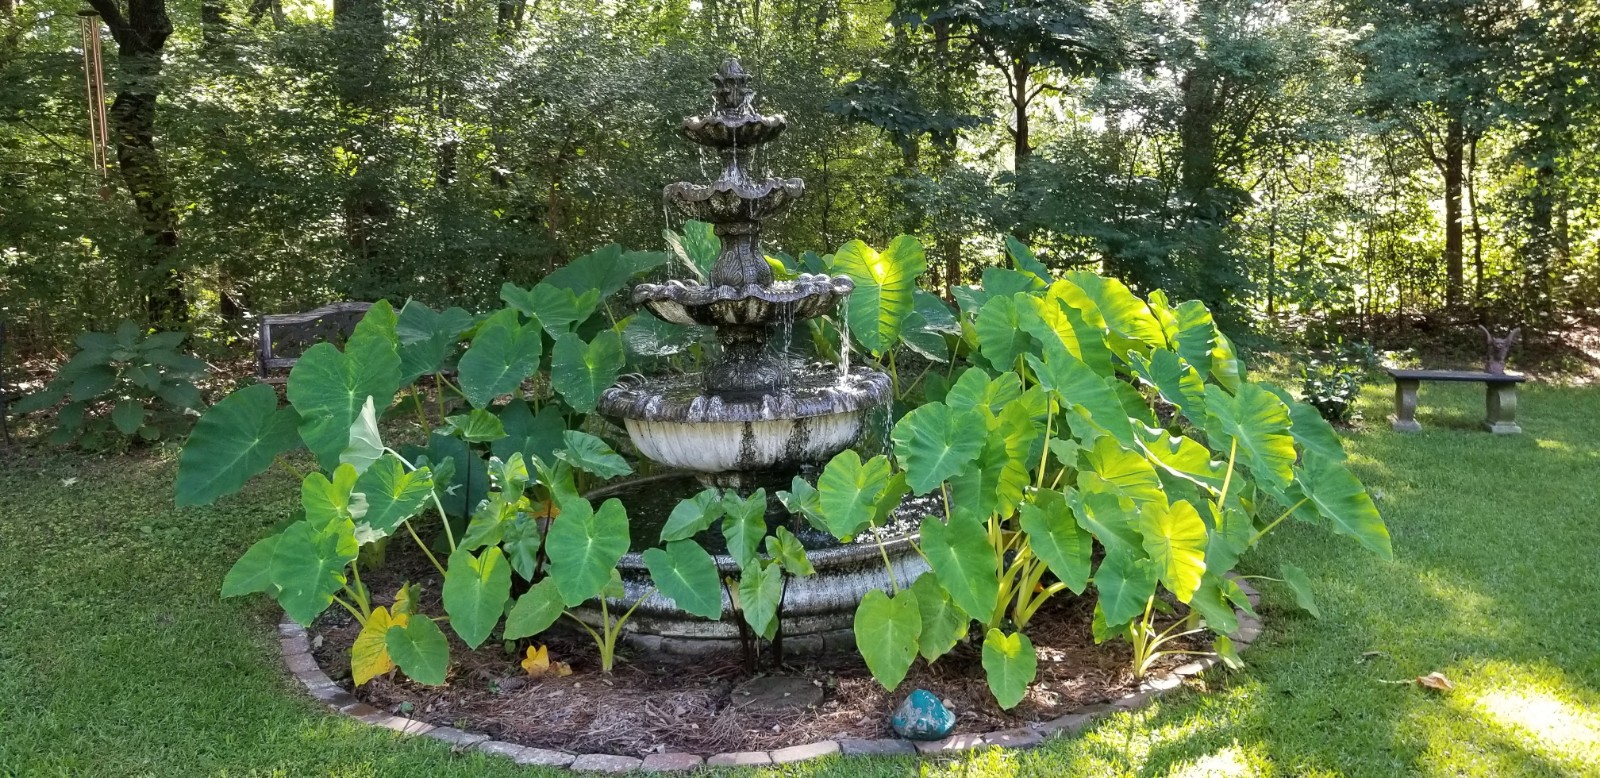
(498, 476)
(1332, 382)
(1039, 437)
(121, 387)
(1045, 450)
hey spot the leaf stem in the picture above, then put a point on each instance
(1227, 480)
(1277, 521)
(353, 612)
(424, 547)
(284, 463)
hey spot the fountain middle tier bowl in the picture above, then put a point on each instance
(741, 131)
(671, 420)
(734, 199)
(688, 302)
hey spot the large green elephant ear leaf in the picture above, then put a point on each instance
(420, 649)
(1125, 583)
(1310, 430)
(307, 566)
(1077, 385)
(886, 631)
(687, 575)
(1056, 538)
(1108, 301)
(999, 327)
(885, 282)
(233, 442)
(502, 355)
(1024, 259)
(1344, 503)
(696, 248)
(1010, 664)
(1258, 424)
(329, 387)
(581, 371)
(960, 555)
(427, 337)
(1175, 538)
(944, 623)
(558, 310)
(744, 524)
(935, 442)
(1176, 382)
(393, 495)
(591, 454)
(848, 491)
(760, 595)
(606, 270)
(476, 590)
(584, 547)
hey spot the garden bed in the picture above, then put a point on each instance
(654, 703)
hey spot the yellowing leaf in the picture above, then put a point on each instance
(369, 656)
(537, 662)
(405, 601)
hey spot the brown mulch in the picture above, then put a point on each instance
(658, 703)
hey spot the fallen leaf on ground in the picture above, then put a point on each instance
(1436, 681)
(537, 662)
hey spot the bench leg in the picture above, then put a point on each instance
(1500, 405)
(1405, 406)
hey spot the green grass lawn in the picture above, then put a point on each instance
(118, 658)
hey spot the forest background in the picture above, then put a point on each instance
(1316, 169)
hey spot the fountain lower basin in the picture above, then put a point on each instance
(818, 612)
(673, 421)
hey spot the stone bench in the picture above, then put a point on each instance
(1500, 397)
(284, 337)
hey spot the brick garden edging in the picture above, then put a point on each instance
(297, 655)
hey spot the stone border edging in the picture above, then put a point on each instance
(297, 656)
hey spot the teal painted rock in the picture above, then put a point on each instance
(922, 717)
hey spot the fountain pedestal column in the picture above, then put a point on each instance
(753, 414)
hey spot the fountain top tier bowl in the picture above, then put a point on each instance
(752, 409)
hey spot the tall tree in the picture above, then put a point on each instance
(1031, 43)
(362, 80)
(1435, 68)
(141, 29)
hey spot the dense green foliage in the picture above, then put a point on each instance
(1324, 158)
(121, 387)
(1084, 420)
(93, 626)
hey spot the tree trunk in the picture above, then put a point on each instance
(1021, 145)
(1477, 224)
(1455, 144)
(140, 35)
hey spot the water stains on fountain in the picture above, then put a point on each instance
(756, 416)
(753, 409)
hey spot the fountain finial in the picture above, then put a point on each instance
(733, 94)
(741, 298)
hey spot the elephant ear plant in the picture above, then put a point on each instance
(489, 490)
(1089, 423)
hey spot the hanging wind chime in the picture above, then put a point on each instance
(95, 83)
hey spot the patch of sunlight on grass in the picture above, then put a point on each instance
(1558, 730)
(1554, 445)
(1228, 762)
(986, 763)
(1468, 608)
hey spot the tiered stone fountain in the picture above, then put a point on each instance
(756, 416)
